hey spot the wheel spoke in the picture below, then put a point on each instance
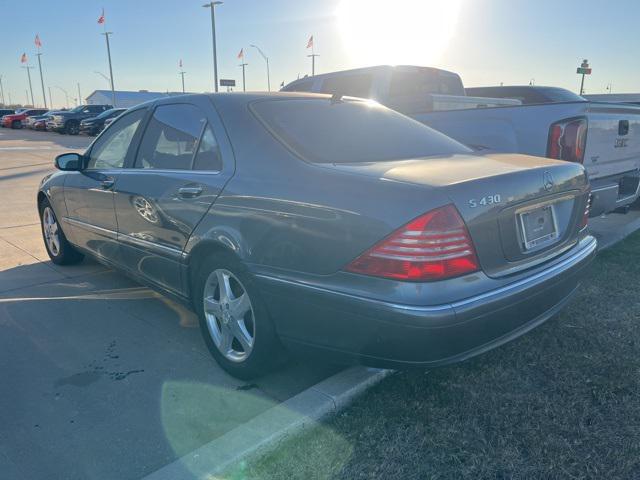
(240, 306)
(54, 228)
(224, 286)
(56, 243)
(226, 339)
(241, 334)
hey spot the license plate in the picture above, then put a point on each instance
(538, 226)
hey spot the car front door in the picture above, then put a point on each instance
(89, 192)
(183, 162)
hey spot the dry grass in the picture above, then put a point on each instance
(561, 402)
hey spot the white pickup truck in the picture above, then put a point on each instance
(605, 137)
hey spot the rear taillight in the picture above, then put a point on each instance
(434, 246)
(567, 140)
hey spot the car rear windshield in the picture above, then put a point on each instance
(350, 131)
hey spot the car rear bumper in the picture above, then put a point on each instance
(384, 334)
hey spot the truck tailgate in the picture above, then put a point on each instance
(613, 140)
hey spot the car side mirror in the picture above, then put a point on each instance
(69, 162)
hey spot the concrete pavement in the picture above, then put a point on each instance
(102, 378)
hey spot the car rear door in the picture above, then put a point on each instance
(183, 163)
(89, 193)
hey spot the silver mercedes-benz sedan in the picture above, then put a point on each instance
(324, 224)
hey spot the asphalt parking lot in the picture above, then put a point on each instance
(103, 378)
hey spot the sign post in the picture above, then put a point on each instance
(227, 83)
(583, 69)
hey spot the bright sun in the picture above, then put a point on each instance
(395, 32)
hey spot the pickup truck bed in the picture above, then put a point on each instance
(611, 155)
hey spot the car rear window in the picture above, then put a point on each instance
(350, 131)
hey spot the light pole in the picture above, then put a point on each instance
(2, 91)
(79, 95)
(44, 96)
(66, 94)
(212, 6)
(266, 59)
(50, 98)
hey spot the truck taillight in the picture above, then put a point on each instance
(567, 140)
(434, 246)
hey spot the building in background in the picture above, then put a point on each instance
(126, 99)
(632, 98)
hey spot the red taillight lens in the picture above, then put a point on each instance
(567, 140)
(432, 247)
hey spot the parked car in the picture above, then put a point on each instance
(603, 137)
(6, 111)
(108, 122)
(527, 94)
(69, 122)
(38, 122)
(15, 120)
(93, 126)
(323, 223)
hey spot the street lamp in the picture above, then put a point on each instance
(212, 6)
(266, 59)
(66, 94)
(103, 76)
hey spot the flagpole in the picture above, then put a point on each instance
(50, 98)
(113, 90)
(243, 64)
(182, 75)
(44, 96)
(79, 95)
(28, 67)
(2, 92)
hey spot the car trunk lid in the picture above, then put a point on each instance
(520, 210)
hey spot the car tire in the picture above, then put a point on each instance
(60, 251)
(72, 128)
(254, 348)
(16, 124)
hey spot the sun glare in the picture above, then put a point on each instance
(397, 32)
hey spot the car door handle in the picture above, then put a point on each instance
(107, 183)
(190, 192)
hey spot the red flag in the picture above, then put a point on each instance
(101, 18)
(37, 41)
(23, 58)
(310, 42)
(241, 54)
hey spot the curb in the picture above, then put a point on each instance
(266, 431)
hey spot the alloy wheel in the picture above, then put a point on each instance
(229, 315)
(51, 231)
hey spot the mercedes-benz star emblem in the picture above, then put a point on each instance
(547, 181)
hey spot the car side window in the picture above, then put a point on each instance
(171, 137)
(208, 156)
(110, 150)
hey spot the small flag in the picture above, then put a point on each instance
(101, 18)
(241, 54)
(180, 64)
(310, 42)
(23, 58)
(37, 41)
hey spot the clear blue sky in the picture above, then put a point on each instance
(491, 41)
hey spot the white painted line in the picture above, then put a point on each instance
(265, 432)
(25, 148)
